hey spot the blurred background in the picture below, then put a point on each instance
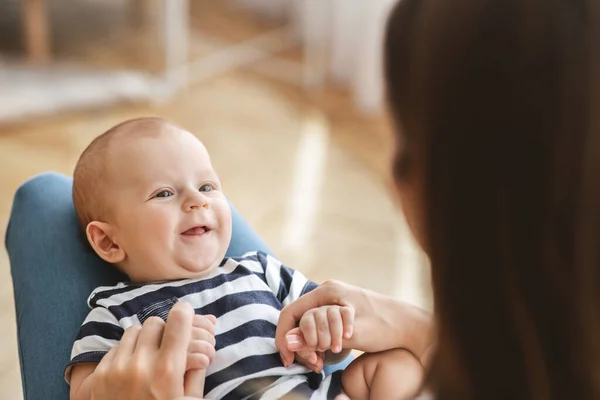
(286, 95)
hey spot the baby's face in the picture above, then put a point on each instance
(169, 213)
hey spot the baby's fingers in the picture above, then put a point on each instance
(307, 357)
(323, 329)
(201, 350)
(336, 328)
(200, 355)
(206, 322)
(304, 354)
(341, 396)
(204, 328)
(310, 359)
(197, 361)
(348, 321)
(308, 326)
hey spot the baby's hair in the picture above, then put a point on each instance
(91, 172)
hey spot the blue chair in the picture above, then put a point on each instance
(54, 271)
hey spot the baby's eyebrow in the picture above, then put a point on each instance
(149, 184)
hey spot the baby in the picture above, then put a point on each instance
(151, 204)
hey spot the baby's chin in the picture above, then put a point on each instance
(196, 270)
(191, 271)
(199, 272)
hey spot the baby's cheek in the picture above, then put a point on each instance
(159, 223)
(226, 225)
(225, 215)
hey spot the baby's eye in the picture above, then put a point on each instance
(207, 187)
(164, 193)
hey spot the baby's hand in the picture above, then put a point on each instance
(320, 329)
(201, 351)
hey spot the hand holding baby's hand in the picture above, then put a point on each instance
(320, 329)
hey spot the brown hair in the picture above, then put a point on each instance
(493, 105)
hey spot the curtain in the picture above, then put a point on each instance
(349, 31)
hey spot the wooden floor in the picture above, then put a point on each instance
(308, 172)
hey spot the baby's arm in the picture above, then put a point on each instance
(81, 378)
(388, 374)
(98, 334)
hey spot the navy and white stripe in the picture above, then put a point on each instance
(246, 295)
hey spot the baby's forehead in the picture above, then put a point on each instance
(149, 156)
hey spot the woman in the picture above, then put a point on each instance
(496, 168)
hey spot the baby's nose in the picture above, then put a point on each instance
(196, 202)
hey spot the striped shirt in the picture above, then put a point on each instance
(246, 295)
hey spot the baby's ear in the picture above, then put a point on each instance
(99, 234)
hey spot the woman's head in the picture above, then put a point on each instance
(493, 101)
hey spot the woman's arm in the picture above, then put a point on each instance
(381, 322)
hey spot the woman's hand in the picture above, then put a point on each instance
(150, 362)
(380, 322)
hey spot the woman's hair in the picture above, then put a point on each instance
(495, 109)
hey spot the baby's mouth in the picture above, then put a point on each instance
(197, 231)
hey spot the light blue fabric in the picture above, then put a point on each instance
(54, 271)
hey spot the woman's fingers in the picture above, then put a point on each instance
(194, 383)
(177, 335)
(150, 336)
(295, 340)
(105, 363)
(128, 342)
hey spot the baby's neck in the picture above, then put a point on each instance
(143, 279)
